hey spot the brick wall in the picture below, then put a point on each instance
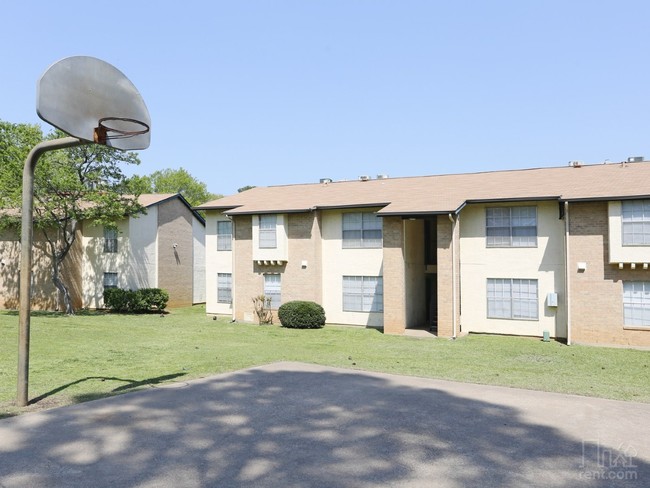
(175, 264)
(596, 294)
(394, 272)
(298, 281)
(445, 282)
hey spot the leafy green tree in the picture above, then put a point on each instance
(70, 186)
(176, 181)
(244, 188)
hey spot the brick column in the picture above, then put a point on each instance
(394, 272)
(445, 281)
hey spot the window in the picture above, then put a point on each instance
(363, 294)
(224, 235)
(636, 222)
(636, 303)
(511, 226)
(512, 299)
(268, 238)
(110, 280)
(110, 239)
(272, 289)
(224, 288)
(361, 229)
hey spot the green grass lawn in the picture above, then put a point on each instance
(88, 356)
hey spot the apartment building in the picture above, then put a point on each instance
(560, 251)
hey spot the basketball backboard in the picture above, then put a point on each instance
(93, 101)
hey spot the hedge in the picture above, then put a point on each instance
(138, 301)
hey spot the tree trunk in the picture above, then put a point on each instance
(61, 286)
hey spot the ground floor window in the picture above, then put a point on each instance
(224, 287)
(636, 303)
(509, 298)
(110, 280)
(273, 289)
(363, 294)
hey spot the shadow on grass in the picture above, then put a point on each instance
(51, 314)
(130, 384)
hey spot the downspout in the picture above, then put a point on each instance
(453, 273)
(567, 278)
(232, 265)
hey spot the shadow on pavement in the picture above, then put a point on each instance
(292, 427)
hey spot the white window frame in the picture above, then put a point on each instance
(636, 304)
(511, 226)
(224, 288)
(361, 230)
(512, 299)
(110, 240)
(273, 289)
(363, 294)
(224, 235)
(268, 234)
(635, 222)
(111, 280)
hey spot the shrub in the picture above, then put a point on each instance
(152, 298)
(262, 304)
(138, 301)
(117, 299)
(300, 314)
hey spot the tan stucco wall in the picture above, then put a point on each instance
(246, 283)
(95, 262)
(216, 262)
(45, 296)
(596, 293)
(339, 262)
(544, 263)
(617, 252)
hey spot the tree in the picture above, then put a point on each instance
(177, 181)
(244, 188)
(70, 186)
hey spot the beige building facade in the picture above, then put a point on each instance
(550, 252)
(164, 248)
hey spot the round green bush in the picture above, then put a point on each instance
(300, 314)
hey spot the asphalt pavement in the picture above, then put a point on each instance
(303, 425)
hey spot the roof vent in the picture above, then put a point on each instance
(635, 159)
(326, 180)
(575, 164)
(364, 178)
(382, 177)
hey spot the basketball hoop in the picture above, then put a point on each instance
(110, 128)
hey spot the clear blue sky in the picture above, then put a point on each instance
(274, 92)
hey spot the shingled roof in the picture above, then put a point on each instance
(447, 193)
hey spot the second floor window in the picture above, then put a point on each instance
(362, 229)
(224, 235)
(511, 226)
(110, 239)
(636, 222)
(268, 235)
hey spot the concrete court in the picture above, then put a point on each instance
(300, 425)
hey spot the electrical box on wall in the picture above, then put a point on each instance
(551, 299)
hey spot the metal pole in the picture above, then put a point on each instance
(26, 239)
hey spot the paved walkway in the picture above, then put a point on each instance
(300, 425)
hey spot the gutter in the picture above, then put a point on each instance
(454, 222)
(567, 274)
